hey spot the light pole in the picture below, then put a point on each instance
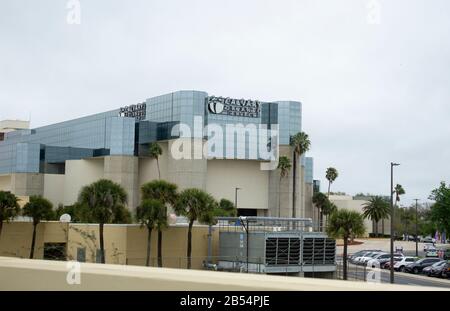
(392, 221)
(417, 224)
(235, 197)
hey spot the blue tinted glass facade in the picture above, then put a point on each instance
(108, 133)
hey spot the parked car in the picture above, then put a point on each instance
(363, 259)
(427, 270)
(436, 269)
(417, 266)
(426, 246)
(431, 252)
(387, 264)
(445, 273)
(375, 262)
(401, 264)
(358, 255)
(428, 240)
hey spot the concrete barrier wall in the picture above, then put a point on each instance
(124, 244)
(26, 274)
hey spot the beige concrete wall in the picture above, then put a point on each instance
(174, 246)
(80, 173)
(353, 205)
(148, 169)
(15, 240)
(124, 171)
(54, 188)
(225, 175)
(23, 274)
(87, 236)
(186, 172)
(280, 191)
(124, 244)
(5, 182)
(27, 184)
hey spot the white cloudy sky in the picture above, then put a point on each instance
(371, 93)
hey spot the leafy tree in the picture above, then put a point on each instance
(320, 200)
(155, 151)
(345, 224)
(300, 143)
(151, 214)
(196, 205)
(284, 165)
(9, 207)
(104, 198)
(376, 209)
(38, 208)
(225, 208)
(167, 194)
(440, 210)
(331, 175)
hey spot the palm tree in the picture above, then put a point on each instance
(331, 175)
(300, 143)
(39, 209)
(195, 204)
(320, 200)
(345, 224)
(164, 192)
(152, 214)
(155, 151)
(9, 207)
(376, 209)
(225, 208)
(398, 192)
(284, 165)
(104, 198)
(328, 209)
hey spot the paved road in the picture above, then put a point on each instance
(357, 272)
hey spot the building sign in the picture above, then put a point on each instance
(233, 107)
(139, 111)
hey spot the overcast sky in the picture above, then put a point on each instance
(374, 82)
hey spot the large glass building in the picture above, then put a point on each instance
(238, 135)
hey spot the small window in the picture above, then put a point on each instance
(55, 251)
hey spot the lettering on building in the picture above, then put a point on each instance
(139, 111)
(233, 107)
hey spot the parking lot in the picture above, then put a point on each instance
(412, 272)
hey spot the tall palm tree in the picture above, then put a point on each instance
(167, 194)
(151, 214)
(284, 165)
(103, 198)
(196, 205)
(345, 224)
(9, 207)
(300, 143)
(39, 209)
(155, 151)
(320, 200)
(376, 209)
(331, 175)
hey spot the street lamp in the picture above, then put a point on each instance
(392, 221)
(417, 222)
